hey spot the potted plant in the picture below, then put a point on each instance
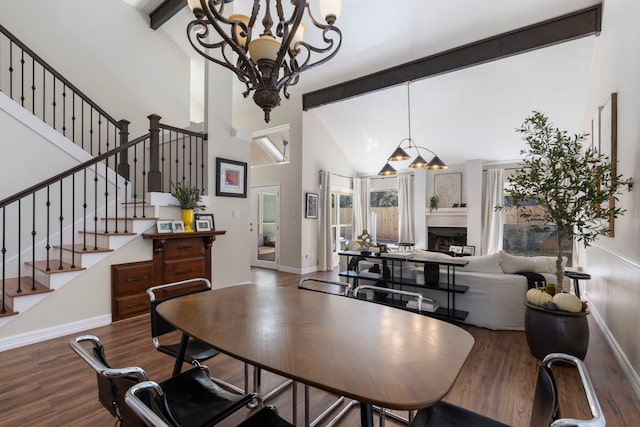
(433, 203)
(574, 186)
(189, 198)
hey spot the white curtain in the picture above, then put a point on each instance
(493, 220)
(361, 205)
(325, 248)
(405, 209)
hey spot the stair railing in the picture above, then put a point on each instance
(30, 81)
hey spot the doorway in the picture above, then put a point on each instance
(265, 226)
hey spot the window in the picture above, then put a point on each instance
(384, 211)
(522, 237)
(341, 220)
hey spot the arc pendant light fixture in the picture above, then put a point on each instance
(400, 152)
(266, 62)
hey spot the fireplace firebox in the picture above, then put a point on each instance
(441, 238)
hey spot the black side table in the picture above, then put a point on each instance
(576, 276)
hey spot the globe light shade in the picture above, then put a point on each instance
(242, 40)
(264, 47)
(330, 9)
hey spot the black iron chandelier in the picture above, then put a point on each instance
(270, 61)
(400, 152)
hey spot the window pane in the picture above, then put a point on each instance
(521, 237)
(384, 206)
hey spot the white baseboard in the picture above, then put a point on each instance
(40, 335)
(630, 373)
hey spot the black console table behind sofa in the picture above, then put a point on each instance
(393, 262)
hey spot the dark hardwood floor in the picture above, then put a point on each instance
(46, 384)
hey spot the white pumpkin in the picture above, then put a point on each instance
(568, 302)
(538, 297)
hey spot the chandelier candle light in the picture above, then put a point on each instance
(400, 153)
(266, 63)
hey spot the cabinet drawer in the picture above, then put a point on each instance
(184, 248)
(130, 306)
(182, 269)
(132, 278)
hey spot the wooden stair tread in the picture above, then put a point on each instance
(11, 286)
(53, 266)
(110, 233)
(79, 248)
(132, 218)
(8, 311)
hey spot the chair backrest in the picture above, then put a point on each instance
(546, 411)
(161, 293)
(112, 383)
(325, 286)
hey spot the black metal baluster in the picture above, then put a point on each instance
(19, 242)
(53, 104)
(44, 95)
(22, 79)
(48, 246)
(203, 158)
(106, 195)
(91, 132)
(135, 175)
(11, 69)
(61, 219)
(95, 207)
(33, 242)
(33, 86)
(73, 118)
(84, 211)
(145, 181)
(73, 221)
(4, 262)
(64, 109)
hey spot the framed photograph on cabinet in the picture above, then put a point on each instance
(204, 222)
(164, 226)
(312, 206)
(231, 178)
(469, 250)
(455, 250)
(178, 226)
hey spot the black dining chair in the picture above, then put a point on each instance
(160, 328)
(190, 399)
(112, 382)
(545, 411)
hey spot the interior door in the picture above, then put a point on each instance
(265, 226)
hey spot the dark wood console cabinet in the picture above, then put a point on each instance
(176, 256)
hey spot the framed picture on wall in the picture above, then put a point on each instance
(448, 188)
(231, 178)
(312, 206)
(609, 146)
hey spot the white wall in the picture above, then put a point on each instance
(107, 50)
(319, 152)
(286, 175)
(614, 263)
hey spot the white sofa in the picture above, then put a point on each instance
(496, 295)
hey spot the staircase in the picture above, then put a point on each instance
(57, 229)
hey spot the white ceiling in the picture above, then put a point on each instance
(464, 115)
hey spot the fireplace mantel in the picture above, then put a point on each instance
(447, 211)
(447, 217)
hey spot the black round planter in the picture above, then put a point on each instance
(556, 332)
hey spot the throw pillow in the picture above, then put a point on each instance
(483, 264)
(537, 264)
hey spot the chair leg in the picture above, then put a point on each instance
(324, 413)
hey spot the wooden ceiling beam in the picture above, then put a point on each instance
(568, 27)
(164, 12)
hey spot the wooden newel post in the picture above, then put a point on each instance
(123, 165)
(155, 178)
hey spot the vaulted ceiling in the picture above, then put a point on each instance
(468, 114)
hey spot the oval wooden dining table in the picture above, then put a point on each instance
(375, 354)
